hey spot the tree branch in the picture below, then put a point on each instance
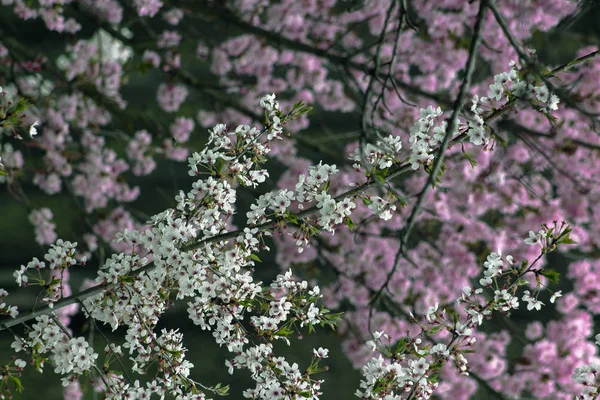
(451, 128)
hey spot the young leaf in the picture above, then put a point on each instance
(470, 159)
(350, 223)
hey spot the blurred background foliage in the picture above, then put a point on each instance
(324, 139)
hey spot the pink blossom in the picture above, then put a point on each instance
(170, 97)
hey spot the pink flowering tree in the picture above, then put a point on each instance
(423, 173)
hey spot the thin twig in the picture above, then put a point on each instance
(451, 128)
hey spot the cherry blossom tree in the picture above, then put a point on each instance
(422, 236)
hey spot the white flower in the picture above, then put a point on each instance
(32, 130)
(259, 176)
(270, 105)
(10, 310)
(419, 367)
(534, 238)
(463, 330)
(379, 334)
(555, 295)
(476, 317)
(371, 344)
(18, 344)
(531, 302)
(321, 352)
(541, 93)
(20, 276)
(553, 103)
(430, 112)
(496, 91)
(440, 348)
(519, 89)
(431, 313)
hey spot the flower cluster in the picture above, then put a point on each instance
(413, 365)
(180, 257)
(60, 256)
(181, 129)
(138, 154)
(273, 113)
(70, 356)
(52, 16)
(44, 228)
(6, 309)
(12, 114)
(170, 97)
(380, 155)
(587, 375)
(507, 86)
(425, 136)
(275, 377)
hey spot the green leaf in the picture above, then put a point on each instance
(470, 159)
(21, 106)
(380, 174)
(54, 281)
(255, 258)
(350, 224)
(565, 237)
(550, 274)
(284, 331)
(332, 320)
(442, 170)
(401, 346)
(297, 110)
(366, 201)
(245, 302)
(380, 384)
(17, 383)
(403, 202)
(221, 391)
(567, 240)
(438, 178)
(312, 230)
(523, 265)
(219, 165)
(292, 219)
(379, 178)
(434, 330)
(551, 118)
(240, 181)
